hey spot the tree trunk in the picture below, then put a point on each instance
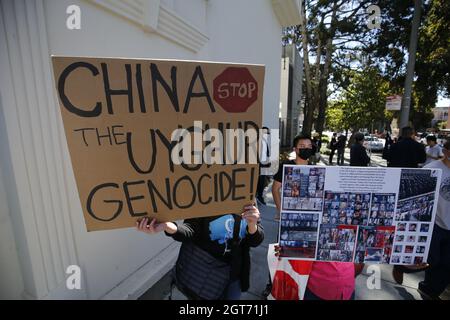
(309, 109)
(323, 83)
(320, 122)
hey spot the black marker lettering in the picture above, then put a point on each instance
(171, 93)
(62, 94)
(91, 196)
(153, 189)
(118, 92)
(205, 93)
(128, 198)
(82, 132)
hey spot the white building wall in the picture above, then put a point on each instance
(248, 32)
(41, 222)
(11, 283)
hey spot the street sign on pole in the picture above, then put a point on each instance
(393, 103)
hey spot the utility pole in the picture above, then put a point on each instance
(406, 100)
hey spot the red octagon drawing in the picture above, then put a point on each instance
(235, 89)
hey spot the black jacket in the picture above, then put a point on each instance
(213, 235)
(333, 143)
(358, 156)
(340, 144)
(406, 153)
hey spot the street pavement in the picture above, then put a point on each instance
(388, 289)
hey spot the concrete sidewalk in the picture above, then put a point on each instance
(259, 275)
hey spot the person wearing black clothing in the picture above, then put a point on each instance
(214, 235)
(332, 147)
(316, 145)
(387, 145)
(407, 152)
(303, 148)
(340, 146)
(263, 180)
(358, 154)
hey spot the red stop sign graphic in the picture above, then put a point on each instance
(235, 89)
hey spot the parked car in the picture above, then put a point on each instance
(373, 144)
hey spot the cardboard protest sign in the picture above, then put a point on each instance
(356, 214)
(126, 122)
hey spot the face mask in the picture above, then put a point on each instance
(305, 153)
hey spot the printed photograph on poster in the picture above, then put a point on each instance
(374, 244)
(418, 260)
(298, 234)
(416, 182)
(415, 209)
(386, 216)
(424, 227)
(416, 195)
(346, 208)
(382, 209)
(336, 243)
(410, 240)
(407, 260)
(303, 188)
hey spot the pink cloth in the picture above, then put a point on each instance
(332, 280)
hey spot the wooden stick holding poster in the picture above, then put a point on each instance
(356, 214)
(128, 121)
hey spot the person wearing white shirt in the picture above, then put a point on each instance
(437, 276)
(433, 150)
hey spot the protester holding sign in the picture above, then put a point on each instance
(407, 153)
(327, 280)
(437, 276)
(224, 241)
(129, 125)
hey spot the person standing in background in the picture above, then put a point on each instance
(263, 180)
(317, 145)
(332, 147)
(358, 154)
(387, 145)
(407, 152)
(340, 146)
(433, 150)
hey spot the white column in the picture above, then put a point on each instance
(35, 139)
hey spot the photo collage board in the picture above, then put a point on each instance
(356, 214)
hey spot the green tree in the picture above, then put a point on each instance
(389, 49)
(328, 27)
(362, 103)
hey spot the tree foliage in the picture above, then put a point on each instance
(335, 40)
(362, 103)
(389, 49)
